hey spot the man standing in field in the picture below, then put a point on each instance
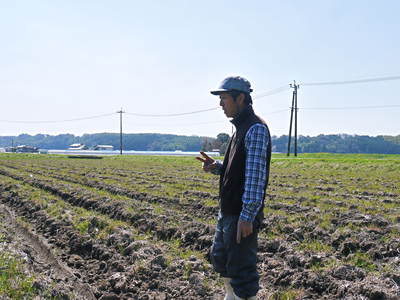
(243, 181)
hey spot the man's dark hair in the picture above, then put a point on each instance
(247, 98)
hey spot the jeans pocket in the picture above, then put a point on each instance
(229, 229)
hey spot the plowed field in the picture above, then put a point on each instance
(141, 228)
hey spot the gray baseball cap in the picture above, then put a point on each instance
(233, 83)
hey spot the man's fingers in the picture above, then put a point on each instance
(244, 229)
(201, 159)
(205, 155)
(248, 232)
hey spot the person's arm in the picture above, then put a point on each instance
(256, 144)
(210, 164)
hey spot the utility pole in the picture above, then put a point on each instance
(290, 126)
(295, 117)
(120, 112)
(293, 108)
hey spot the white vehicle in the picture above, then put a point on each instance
(78, 147)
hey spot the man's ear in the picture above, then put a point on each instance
(240, 99)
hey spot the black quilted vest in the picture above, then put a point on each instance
(232, 178)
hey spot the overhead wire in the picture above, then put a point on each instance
(59, 121)
(257, 96)
(277, 111)
(387, 78)
(179, 124)
(172, 115)
(273, 92)
(269, 93)
(350, 107)
(214, 122)
(375, 79)
(265, 94)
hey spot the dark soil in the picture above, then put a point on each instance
(356, 257)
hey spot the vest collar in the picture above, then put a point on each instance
(243, 115)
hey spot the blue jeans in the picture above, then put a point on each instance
(233, 260)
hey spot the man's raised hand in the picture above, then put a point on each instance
(208, 162)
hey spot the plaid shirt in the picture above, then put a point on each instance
(256, 143)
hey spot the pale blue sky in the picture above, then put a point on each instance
(70, 59)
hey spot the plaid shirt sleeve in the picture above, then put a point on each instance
(256, 142)
(218, 167)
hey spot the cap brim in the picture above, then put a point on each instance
(219, 92)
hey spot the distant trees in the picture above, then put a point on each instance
(44, 141)
(141, 141)
(392, 139)
(334, 143)
(220, 143)
(339, 143)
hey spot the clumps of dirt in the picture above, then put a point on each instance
(348, 265)
(52, 279)
(120, 268)
(357, 218)
(194, 234)
(192, 205)
(338, 283)
(354, 254)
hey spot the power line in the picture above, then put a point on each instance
(266, 94)
(134, 114)
(273, 92)
(207, 123)
(180, 124)
(59, 121)
(351, 81)
(295, 108)
(349, 107)
(276, 112)
(173, 115)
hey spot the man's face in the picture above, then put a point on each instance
(229, 106)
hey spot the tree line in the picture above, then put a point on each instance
(139, 141)
(334, 143)
(341, 143)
